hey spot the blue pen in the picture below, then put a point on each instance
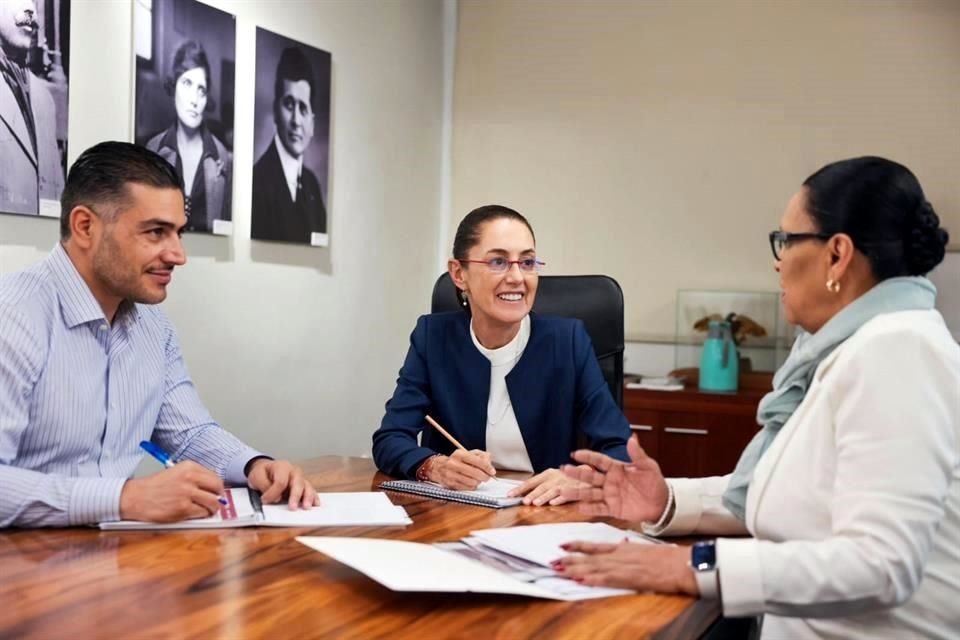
(164, 458)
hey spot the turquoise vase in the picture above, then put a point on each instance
(719, 362)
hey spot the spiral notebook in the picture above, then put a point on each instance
(492, 493)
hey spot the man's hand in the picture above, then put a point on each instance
(463, 470)
(275, 479)
(186, 490)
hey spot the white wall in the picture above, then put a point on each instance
(659, 141)
(295, 349)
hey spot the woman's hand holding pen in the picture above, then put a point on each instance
(463, 470)
(185, 490)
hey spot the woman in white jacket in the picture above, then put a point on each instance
(851, 489)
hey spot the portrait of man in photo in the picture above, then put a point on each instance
(33, 106)
(290, 174)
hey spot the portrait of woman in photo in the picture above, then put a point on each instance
(202, 161)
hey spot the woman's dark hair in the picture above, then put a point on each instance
(881, 206)
(99, 177)
(468, 233)
(189, 55)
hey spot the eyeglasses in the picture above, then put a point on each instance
(501, 265)
(780, 239)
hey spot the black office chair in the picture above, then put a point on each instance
(596, 300)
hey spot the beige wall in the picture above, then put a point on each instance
(658, 141)
(295, 349)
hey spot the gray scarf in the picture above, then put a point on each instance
(791, 381)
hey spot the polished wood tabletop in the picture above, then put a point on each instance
(261, 583)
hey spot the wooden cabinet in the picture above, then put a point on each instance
(693, 433)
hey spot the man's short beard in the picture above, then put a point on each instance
(105, 266)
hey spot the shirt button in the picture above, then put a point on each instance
(103, 327)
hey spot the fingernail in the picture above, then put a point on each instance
(578, 580)
(560, 568)
(565, 547)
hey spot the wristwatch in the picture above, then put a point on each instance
(703, 560)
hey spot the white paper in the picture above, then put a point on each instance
(496, 487)
(528, 572)
(339, 510)
(222, 228)
(336, 510)
(49, 208)
(319, 239)
(540, 543)
(410, 566)
(243, 515)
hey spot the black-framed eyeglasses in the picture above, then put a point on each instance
(780, 239)
(501, 265)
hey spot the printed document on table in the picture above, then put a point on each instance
(540, 543)
(447, 567)
(244, 509)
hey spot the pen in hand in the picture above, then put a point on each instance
(164, 458)
(478, 460)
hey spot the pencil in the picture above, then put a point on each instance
(444, 433)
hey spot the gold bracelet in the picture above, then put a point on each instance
(423, 471)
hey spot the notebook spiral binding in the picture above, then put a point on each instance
(433, 491)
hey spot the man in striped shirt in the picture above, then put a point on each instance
(89, 366)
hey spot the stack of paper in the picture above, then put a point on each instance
(540, 543)
(657, 383)
(368, 509)
(514, 560)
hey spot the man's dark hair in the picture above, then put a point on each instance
(100, 176)
(294, 66)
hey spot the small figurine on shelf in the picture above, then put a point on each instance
(742, 326)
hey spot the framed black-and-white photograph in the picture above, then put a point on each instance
(291, 141)
(35, 65)
(185, 67)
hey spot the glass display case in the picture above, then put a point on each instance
(763, 337)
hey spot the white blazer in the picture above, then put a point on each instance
(855, 507)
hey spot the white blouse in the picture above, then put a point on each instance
(504, 441)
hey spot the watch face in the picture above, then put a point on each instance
(703, 556)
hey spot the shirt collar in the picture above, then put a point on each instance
(291, 166)
(169, 140)
(77, 302)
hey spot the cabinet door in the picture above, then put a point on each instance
(729, 435)
(684, 445)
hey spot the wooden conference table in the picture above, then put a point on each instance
(260, 582)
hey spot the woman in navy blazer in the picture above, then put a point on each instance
(517, 389)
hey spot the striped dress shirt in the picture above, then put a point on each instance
(78, 394)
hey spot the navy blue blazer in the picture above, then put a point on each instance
(556, 389)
